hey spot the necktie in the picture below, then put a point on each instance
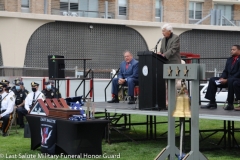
(127, 64)
(234, 60)
(33, 95)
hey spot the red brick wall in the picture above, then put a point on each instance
(175, 11)
(141, 10)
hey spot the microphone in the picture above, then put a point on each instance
(159, 40)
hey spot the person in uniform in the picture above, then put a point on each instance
(49, 92)
(8, 88)
(15, 81)
(58, 94)
(30, 100)
(6, 108)
(21, 84)
(19, 102)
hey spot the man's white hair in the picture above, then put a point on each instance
(167, 27)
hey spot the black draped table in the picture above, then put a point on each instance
(73, 137)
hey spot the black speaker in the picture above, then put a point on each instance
(56, 68)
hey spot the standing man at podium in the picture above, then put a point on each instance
(127, 76)
(170, 47)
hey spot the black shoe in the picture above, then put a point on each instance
(114, 100)
(131, 101)
(229, 107)
(4, 135)
(22, 126)
(210, 106)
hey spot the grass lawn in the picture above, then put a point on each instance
(15, 146)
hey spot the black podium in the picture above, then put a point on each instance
(152, 89)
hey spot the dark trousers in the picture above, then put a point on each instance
(233, 85)
(131, 83)
(6, 122)
(236, 87)
(21, 111)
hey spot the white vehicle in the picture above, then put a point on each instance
(220, 96)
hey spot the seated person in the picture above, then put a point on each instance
(49, 92)
(8, 88)
(15, 81)
(229, 77)
(19, 101)
(128, 76)
(55, 89)
(30, 101)
(7, 105)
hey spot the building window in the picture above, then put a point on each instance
(25, 3)
(158, 4)
(64, 6)
(88, 8)
(122, 7)
(195, 10)
(227, 10)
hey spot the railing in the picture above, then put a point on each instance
(82, 13)
(92, 87)
(217, 17)
(105, 90)
(43, 72)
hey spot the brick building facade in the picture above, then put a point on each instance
(171, 11)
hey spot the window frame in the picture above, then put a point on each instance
(160, 9)
(126, 7)
(224, 5)
(194, 10)
(25, 6)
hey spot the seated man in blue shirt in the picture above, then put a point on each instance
(127, 76)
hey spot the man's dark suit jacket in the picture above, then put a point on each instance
(231, 71)
(172, 50)
(131, 72)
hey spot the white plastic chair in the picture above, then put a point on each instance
(65, 13)
(74, 14)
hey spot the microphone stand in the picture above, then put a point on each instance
(156, 104)
(156, 56)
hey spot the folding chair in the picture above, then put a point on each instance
(13, 120)
(123, 93)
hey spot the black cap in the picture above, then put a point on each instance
(5, 81)
(49, 82)
(46, 83)
(3, 84)
(16, 81)
(19, 83)
(34, 84)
